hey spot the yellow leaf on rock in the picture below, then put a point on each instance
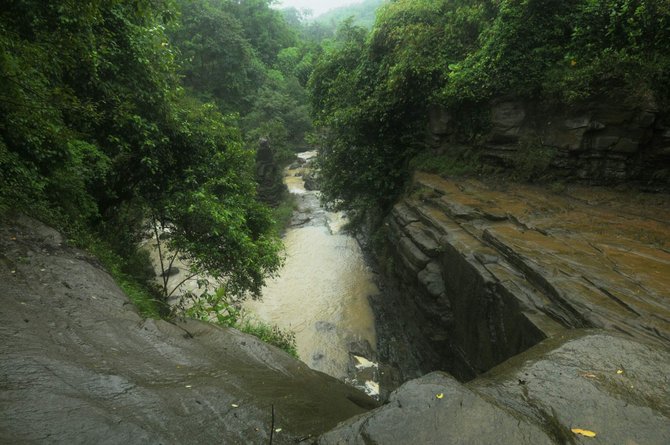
(440, 395)
(582, 432)
(619, 371)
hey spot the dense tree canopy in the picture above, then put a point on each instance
(362, 13)
(218, 62)
(371, 91)
(246, 58)
(114, 113)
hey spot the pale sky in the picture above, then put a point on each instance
(317, 6)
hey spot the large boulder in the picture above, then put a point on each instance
(565, 390)
(79, 365)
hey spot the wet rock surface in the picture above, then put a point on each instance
(80, 366)
(416, 415)
(483, 273)
(601, 142)
(609, 385)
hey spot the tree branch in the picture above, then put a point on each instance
(180, 283)
(160, 256)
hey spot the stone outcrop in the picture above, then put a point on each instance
(79, 365)
(269, 176)
(311, 179)
(598, 142)
(502, 286)
(605, 385)
(481, 274)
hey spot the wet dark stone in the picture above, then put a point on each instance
(311, 181)
(324, 326)
(174, 270)
(436, 409)
(609, 384)
(271, 187)
(90, 370)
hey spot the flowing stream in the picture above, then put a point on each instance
(322, 291)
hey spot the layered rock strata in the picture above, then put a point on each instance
(597, 142)
(483, 273)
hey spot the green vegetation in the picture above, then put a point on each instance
(218, 308)
(247, 59)
(283, 213)
(453, 162)
(532, 160)
(372, 91)
(131, 274)
(363, 14)
(117, 117)
(313, 31)
(283, 339)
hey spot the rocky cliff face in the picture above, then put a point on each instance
(496, 285)
(79, 365)
(479, 274)
(598, 142)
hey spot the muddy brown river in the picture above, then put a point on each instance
(322, 291)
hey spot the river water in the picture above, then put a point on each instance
(322, 291)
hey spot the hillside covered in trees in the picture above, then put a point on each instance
(372, 92)
(118, 114)
(115, 115)
(363, 14)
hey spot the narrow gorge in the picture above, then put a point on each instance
(432, 222)
(531, 313)
(321, 292)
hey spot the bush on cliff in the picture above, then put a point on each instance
(217, 307)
